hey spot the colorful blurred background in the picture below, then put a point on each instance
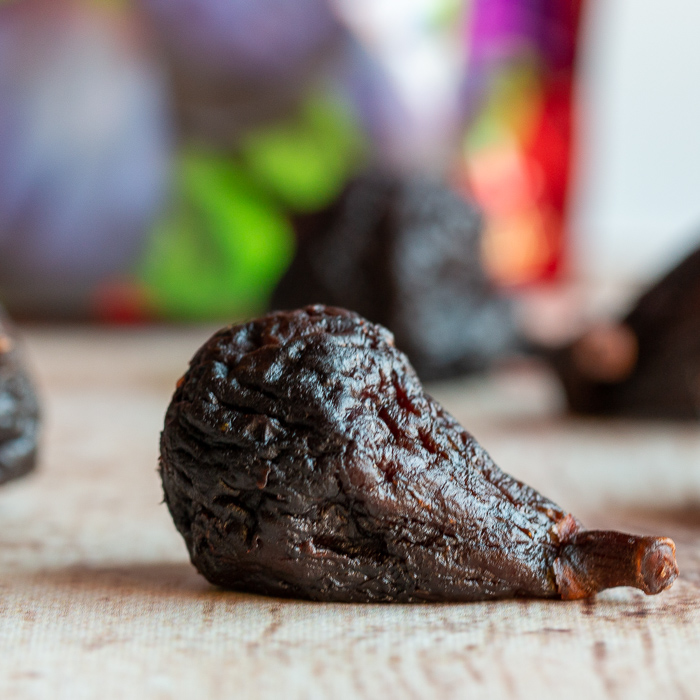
(153, 153)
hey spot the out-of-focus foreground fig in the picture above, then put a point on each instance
(19, 410)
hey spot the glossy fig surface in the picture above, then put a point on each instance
(301, 457)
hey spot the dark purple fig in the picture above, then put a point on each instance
(301, 457)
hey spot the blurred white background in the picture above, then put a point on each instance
(636, 196)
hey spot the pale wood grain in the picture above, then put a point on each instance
(98, 599)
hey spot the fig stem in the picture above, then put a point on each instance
(593, 560)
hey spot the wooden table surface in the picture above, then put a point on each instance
(98, 599)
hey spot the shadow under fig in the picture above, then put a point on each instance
(161, 578)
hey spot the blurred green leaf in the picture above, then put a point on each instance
(222, 246)
(306, 162)
(446, 15)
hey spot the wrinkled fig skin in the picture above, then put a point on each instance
(664, 381)
(19, 411)
(406, 253)
(301, 457)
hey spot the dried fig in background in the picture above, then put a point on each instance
(647, 365)
(406, 253)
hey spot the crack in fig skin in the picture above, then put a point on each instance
(301, 457)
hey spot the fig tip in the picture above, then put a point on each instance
(593, 560)
(658, 568)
